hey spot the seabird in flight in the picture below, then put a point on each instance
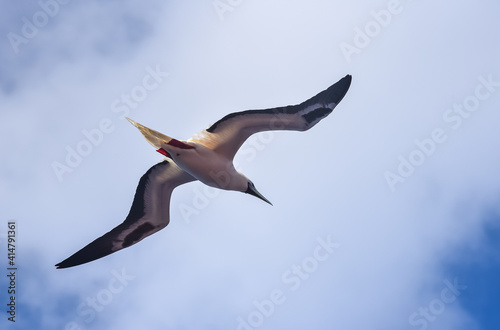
(207, 157)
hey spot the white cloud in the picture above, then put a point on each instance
(327, 181)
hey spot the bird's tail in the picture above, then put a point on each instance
(155, 138)
(159, 140)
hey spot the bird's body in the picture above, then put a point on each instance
(207, 157)
(207, 166)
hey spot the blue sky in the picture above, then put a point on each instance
(385, 214)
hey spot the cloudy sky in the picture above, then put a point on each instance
(386, 214)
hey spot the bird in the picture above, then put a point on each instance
(206, 157)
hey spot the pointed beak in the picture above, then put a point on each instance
(253, 191)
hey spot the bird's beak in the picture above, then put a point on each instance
(253, 191)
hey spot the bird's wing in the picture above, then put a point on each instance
(228, 134)
(149, 213)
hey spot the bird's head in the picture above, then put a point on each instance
(253, 191)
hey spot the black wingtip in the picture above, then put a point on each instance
(66, 264)
(61, 266)
(72, 262)
(93, 251)
(337, 91)
(333, 94)
(97, 249)
(69, 262)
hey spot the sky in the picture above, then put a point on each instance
(386, 214)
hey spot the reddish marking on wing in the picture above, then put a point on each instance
(164, 153)
(179, 144)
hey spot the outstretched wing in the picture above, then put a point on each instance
(228, 134)
(149, 213)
